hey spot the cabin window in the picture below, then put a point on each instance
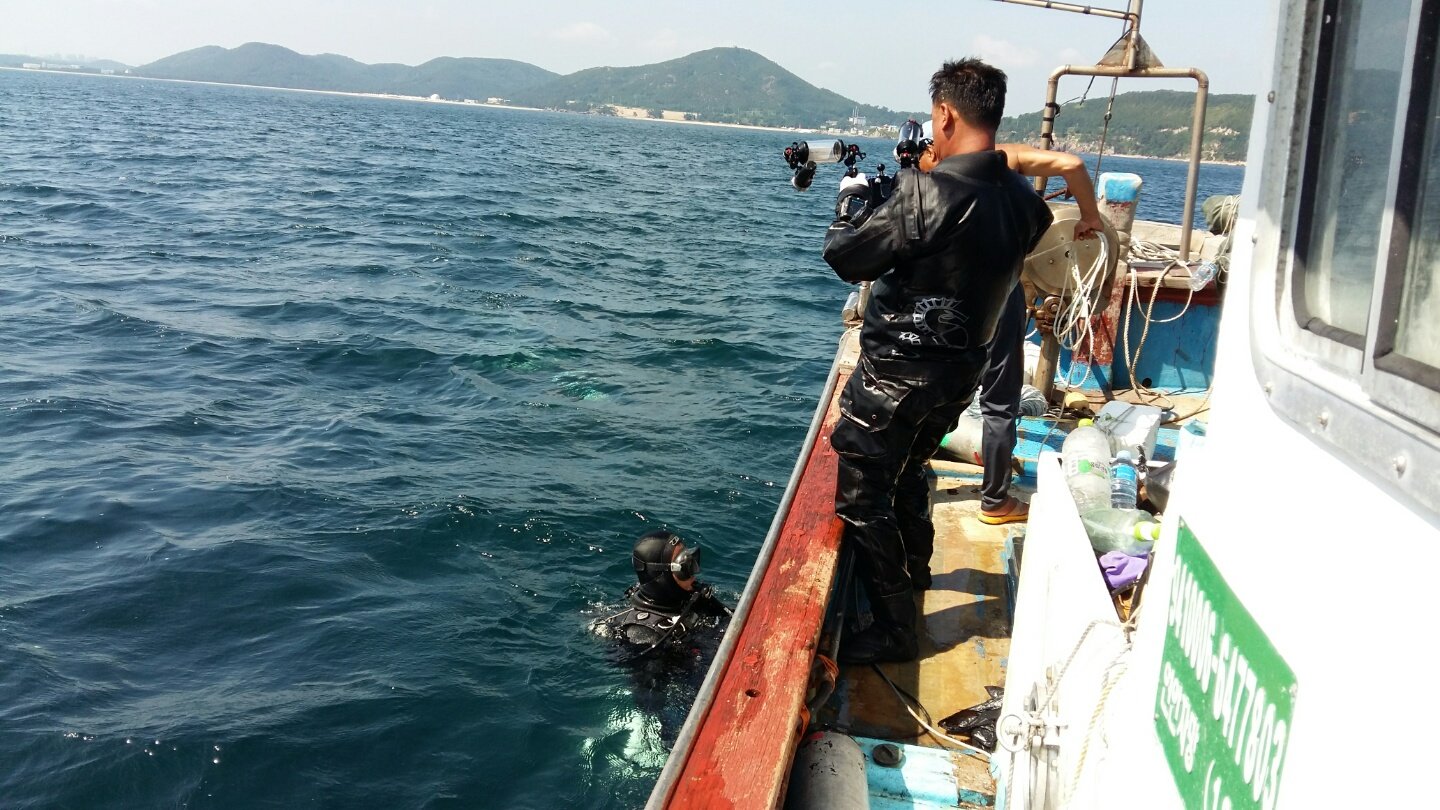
(1418, 329)
(1409, 340)
(1351, 134)
(1353, 359)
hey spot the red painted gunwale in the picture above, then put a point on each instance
(742, 752)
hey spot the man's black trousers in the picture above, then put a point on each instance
(889, 427)
(1000, 400)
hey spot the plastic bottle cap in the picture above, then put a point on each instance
(1147, 530)
(1123, 455)
(1085, 423)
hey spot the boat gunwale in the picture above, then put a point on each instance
(704, 700)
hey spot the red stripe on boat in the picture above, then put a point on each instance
(743, 749)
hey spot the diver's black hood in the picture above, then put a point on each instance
(661, 595)
(656, 588)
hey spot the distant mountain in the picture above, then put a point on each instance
(721, 85)
(1153, 123)
(726, 85)
(273, 66)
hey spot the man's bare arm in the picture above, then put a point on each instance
(1033, 162)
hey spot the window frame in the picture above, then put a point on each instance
(1405, 385)
(1320, 102)
(1409, 196)
(1376, 409)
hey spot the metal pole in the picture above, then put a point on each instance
(1134, 38)
(1045, 367)
(1192, 179)
(1078, 9)
(1047, 119)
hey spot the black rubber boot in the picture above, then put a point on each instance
(919, 573)
(890, 638)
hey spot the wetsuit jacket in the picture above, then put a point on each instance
(943, 252)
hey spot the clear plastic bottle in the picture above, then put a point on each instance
(1086, 455)
(1129, 531)
(1124, 481)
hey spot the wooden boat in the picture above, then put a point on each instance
(1248, 676)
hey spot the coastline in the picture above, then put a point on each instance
(393, 97)
(1170, 159)
(422, 99)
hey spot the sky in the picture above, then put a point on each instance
(871, 59)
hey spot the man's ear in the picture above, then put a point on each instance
(945, 119)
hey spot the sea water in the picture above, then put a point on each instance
(326, 424)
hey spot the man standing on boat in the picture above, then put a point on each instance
(1002, 381)
(943, 252)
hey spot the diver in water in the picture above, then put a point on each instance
(666, 636)
(667, 601)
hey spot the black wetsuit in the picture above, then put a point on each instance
(662, 614)
(943, 254)
(667, 649)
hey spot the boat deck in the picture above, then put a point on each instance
(964, 633)
(968, 613)
(742, 733)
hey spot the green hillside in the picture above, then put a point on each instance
(1153, 123)
(721, 85)
(273, 66)
(726, 85)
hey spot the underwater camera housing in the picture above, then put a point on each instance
(804, 156)
(911, 144)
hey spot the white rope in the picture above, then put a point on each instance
(1073, 323)
(939, 735)
(1117, 663)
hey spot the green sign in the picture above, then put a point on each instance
(1225, 698)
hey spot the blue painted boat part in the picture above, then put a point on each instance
(924, 778)
(1038, 434)
(1120, 187)
(1178, 357)
(1001, 802)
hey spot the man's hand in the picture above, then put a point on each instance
(1088, 227)
(927, 160)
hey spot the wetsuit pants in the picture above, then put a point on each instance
(889, 428)
(1000, 400)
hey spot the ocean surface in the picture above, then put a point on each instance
(326, 424)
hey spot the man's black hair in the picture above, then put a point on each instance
(976, 91)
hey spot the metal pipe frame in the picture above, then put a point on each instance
(1078, 9)
(1197, 124)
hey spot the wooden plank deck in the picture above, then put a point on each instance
(964, 632)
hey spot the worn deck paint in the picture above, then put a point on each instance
(964, 638)
(924, 778)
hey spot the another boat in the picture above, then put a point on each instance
(1277, 654)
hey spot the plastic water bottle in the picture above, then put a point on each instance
(1086, 454)
(1124, 481)
(1129, 531)
(1202, 275)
